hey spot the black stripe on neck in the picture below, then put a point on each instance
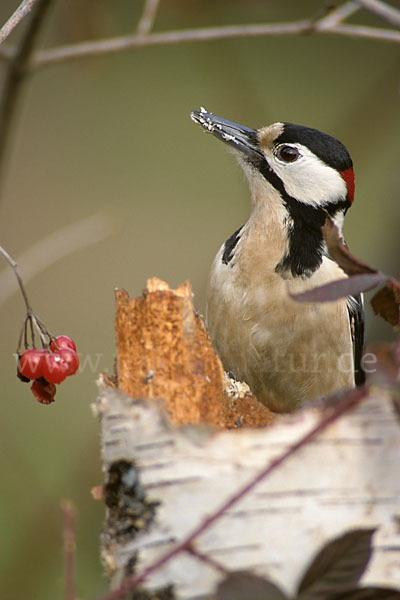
(306, 249)
(230, 245)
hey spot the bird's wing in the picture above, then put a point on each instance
(355, 306)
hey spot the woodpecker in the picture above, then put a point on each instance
(287, 352)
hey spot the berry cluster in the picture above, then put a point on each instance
(48, 367)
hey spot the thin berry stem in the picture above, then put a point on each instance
(45, 336)
(14, 267)
(31, 320)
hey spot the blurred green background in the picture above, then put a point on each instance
(111, 135)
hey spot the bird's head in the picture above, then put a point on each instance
(303, 164)
(309, 173)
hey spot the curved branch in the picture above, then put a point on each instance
(118, 44)
(62, 53)
(109, 46)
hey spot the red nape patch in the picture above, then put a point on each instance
(348, 176)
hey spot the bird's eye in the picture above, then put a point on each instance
(287, 153)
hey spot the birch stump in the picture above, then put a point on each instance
(170, 461)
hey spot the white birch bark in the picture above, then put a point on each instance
(348, 478)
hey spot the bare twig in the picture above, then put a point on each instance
(98, 47)
(22, 10)
(14, 267)
(57, 245)
(382, 10)
(332, 23)
(207, 560)
(337, 15)
(372, 33)
(146, 21)
(16, 73)
(31, 320)
(339, 407)
(60, 54)
(69, 546)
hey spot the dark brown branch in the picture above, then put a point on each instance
(23, 9)
(16, 73)
(387, 13)
(339, 406)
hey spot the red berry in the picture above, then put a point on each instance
(31, 363)
(43, 391)
(63, 341)
(71, 358)
(55, 369)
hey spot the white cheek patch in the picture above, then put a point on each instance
(308, 179)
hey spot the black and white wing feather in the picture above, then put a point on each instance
(355, 307)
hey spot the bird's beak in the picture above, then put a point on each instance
(240, 137)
